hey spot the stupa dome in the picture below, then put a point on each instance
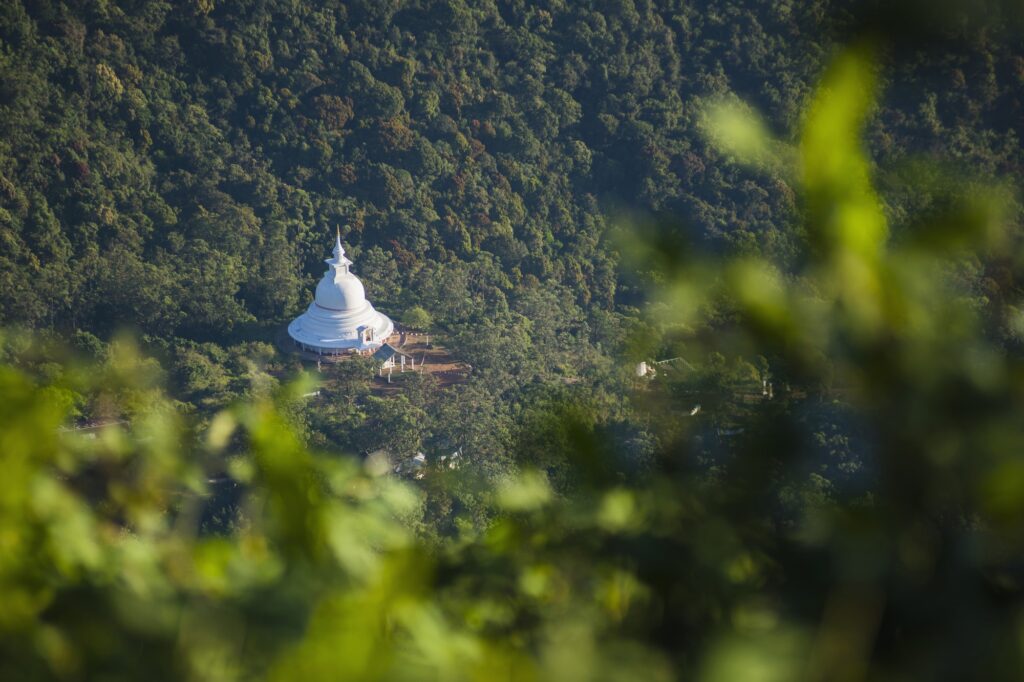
(340, 318)
(344, 294)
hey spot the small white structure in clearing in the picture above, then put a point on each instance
(388, 356)
(340, 319)
(453, 460)
(414, 466)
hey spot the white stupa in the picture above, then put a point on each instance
(340, 319)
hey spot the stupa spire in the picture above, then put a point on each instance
(339, 250)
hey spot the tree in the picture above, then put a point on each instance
(417, 318)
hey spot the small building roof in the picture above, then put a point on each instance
(386, 352)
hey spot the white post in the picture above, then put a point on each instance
(389, 376)
(403, 363)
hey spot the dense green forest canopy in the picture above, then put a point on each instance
(179, 168)
(808, 211)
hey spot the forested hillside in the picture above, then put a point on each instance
(180, 169)
(805, 217)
